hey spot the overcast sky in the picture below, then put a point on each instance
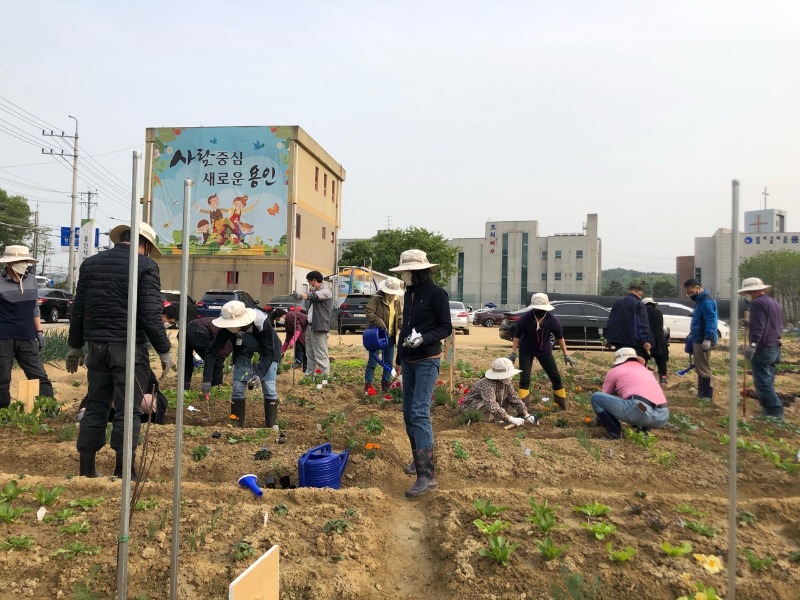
(444, 114)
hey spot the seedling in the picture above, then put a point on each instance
(595, 509)
(688, 509)
(493, 447)
(756, 562)
(150, 504)
(11, 490)
(665, 458)
(499, 549)
(655, 522)
(281, 510)
(351, 512)
(794, 556)
(85, 503)
(620, 555)
(242, 550)
(701, 528)
(459, 451)
(200, 452)
(548, 549)
(468, 416)
(562, 423)
(640, 438)
(486, 509)
(337, 525)
(543, 515)
(61, 515)
(583, 440)
(491, 528)
(640, 494)
(17, 542)
(600, 530)
(76, 548)
(676, 551)
(75, 528)
(8, 514)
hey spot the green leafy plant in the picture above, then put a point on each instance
(9, 514)
(242, 550)
(492, 445)
(543, 515)
(500, 550)
(75, 528)
(640, 438)
(756, 562)
(575, 587)
(441, 397)
(149, 504)
(85, 503)
(491, 528)
(664, 457)
(336, 525)
(562, 423)
(281, 510)
(640, 494)
(350, 513)
(688, 509)
(620, 555)
(794, 556)
(62, 515)
(600, 530)
(486, 509)
(46, 497)
(583, 440)
(458, 451)
(17, 542)
(200, 452)
(701, 528)
(468, 416)
(373, 425)
(676, 551)
(193, 431)
(548, 549)
(76, 548)
(595, 509)
(11, 490)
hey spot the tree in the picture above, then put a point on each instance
(780, 269)
(15, 216)
(384, 251)
(664, 288)
(614, 288)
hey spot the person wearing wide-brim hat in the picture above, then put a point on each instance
(385, 311)
(494, 395)
(21, 333)
(250, 331)
(764, 350)
(532, 336)
(660, 348)
(426, 322)
(630, 395)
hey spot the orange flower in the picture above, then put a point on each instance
(587, 420)
(234, 418)
(546, 408)
(578, 388)
(371, 446)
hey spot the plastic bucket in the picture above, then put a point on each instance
(320, 467)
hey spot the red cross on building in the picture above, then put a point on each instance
(758, 223)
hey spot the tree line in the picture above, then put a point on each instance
(781, 270)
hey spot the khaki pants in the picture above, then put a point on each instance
(702, 360)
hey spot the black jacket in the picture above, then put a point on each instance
(259, 337)
(656, 320)
(628, 324)
(100, 308)
(426, 308)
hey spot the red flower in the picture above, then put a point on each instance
(460, 385)
(371, 391)
(466, 390)
(318, 371)
(461, 400)
(388, 397)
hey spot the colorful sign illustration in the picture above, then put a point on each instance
(240, 193)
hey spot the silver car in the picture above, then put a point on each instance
(459, 317)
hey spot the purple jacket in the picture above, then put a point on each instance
(766, 323)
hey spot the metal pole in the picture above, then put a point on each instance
(74, 220)
(733, 390)
(182, 366)
(130, 361)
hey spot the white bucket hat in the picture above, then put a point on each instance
(625, 354)
(13, 254)
(649, 300)
(145, 231)
(541, 302)
(413, 260)
(234, 314)
(753, 284)
(502, 368)
(392, 285)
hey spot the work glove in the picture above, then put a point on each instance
(166, 361)
(75, 358)
(516, 421)
(40, 339)
(414, 340)
(512, 356)
(706, 345)
(296, 297)
(568, 360)
(253, 382)
(205, 387)
(532, 420)
(748, 352)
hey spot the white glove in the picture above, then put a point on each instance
(532, 420)
(166, 361)
(516, 421)
(706, 345)
(414, 340)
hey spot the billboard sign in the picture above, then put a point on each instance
(78, 230)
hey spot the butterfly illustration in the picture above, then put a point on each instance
(274, 210)
(167, 225)
(213, 140)
(258, 145)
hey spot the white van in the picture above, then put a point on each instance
(42, 281)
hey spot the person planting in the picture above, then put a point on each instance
(385, 311)
(494, 394)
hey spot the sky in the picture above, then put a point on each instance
(445, 115)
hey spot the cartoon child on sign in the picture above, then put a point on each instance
(214, 213)
(203, 231)
(236, 212)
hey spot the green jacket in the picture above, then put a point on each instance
(377, 312)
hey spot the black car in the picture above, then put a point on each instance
(212, 301)
(54, 304)
(174, 297)
(283, 302)
(583, 322)
(352, 313)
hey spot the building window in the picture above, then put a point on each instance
(578, 276)
(523, 292)
(544, 254)
(504, 271)
(324, 233)
(324, 184)
(316, 179)
(578, 253)
(544, 276)
(267, 278)
(698, 274)
(558, 253)
(333, 241)
(297, 221)
(557, 276)
(333, 190)
(233, 277)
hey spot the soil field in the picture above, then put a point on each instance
(368, 541)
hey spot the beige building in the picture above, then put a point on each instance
(266, 207)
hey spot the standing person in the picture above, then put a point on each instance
(249, 331)
(660, 348)
(493, 395)
(628, 326)
(630, 395)
(703, 334)
(320, 305)
(100, 317)
(199, 335)
(532, 338)
(21, 334)
(295, 323)
(764, 351)
(426, 322)
(384, 310)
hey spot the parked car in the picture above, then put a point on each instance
(212, 301)
(488, 317)
(459, 317)
(678, 318)
(352, 313)
(284, 302)
(583, 322)
(54, 304)
(174, 297)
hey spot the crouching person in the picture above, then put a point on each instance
(249, 331)
(630, 395)
(494, 395)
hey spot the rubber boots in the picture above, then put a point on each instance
(385, 385)
(611, 424)
(560, 398)
(118, 467)
(523, 393)
(411, 468)
(87, 466)
(704, 389)
(367, 387)
(237, 410)
(426, 482)
(270, 411)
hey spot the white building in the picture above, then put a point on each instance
(511, 261)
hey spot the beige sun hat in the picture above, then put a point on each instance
(13, 254)
(234, 314)
(753, 284)
(392, 285)
(145, 231)
(502, 368)
(413, 260)
(541, 302)
(625, 354)
(649, 300)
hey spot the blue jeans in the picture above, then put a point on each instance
(419, 379)
(242, 372)
(627, 411)
(763, 366)
(387, 357)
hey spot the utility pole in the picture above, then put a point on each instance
(74, 218)
(88, 203)
(36, 234)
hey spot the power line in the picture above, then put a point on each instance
(22, 109)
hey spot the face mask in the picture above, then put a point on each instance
(694, 296)
(539, 314)
(405, 277)
(234, 329)
(19, 268)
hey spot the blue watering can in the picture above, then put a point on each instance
(320, 467)
(375, 339)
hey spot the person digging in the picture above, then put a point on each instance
(493, 395)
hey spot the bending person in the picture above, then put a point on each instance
(494, 395)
